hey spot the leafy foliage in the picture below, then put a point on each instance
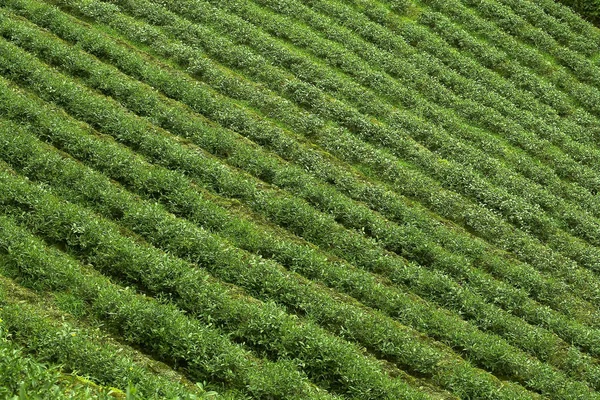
(589, 9)
(299, 199)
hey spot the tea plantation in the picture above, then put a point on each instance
(299, 199)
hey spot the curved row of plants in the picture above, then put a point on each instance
(436, 35)
(454, 91)
(454, 149)
(568, 17)
(202, 351)
(35, 323)
(520, 162)
(585, 96)
(485, 52)
(450, 178)
(397, 138)
(585, 44)
(171, 190)
(303, 222)
(360, 254)
(327, 360)
(124, 157)
(223, 157)
(504, 17)
(466, 85)
(261, 131)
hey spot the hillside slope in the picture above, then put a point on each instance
(285, 199)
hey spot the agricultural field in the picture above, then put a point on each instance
(299, 199)
(589, 10)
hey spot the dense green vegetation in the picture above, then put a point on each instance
(283, 199)
(588, 9)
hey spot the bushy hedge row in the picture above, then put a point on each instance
(451, 175)
(504, 17)
(43, 87)
(480, 347)
(528, 113)
(499, 70)
(586, 44)
(505, 196)
(35, 324)
(435, 36)
(424, 41)
(443, 142)
(459, 93)
(337, 56)
(403, 127)
(199, 349)
(192, 160)
(24, 377)
(567, 16)
(585, 96)
(329, 361)
(260, 131)
(361, 250)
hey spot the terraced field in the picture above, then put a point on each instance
(294, 199)
(589, 10)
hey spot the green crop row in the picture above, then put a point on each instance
(179, 238)
(412, 69)
(541, 255)
(402, 125)
(503, 16)
(385, 29)
(236, 122)
(25, 377)
(361, 250)
(101, 80)
(30, 160)
(370, 104)
(96, 241)
(200, 350)
(586, 96)
(487, 62)
(569, 18)
(482, 60)
(585, 227)
(450, 174)
(290, 115)
(51, 335)
(355, 22)
(384, 38)
(303, 223)
(126, 89)
(588, 9)
(454, 51)
(264, 328)
(586, 45)
(54, 54)
(176, 196)
(149, 230)
(329, 361)
(282, 28)
(513, 48)
(490, 56)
